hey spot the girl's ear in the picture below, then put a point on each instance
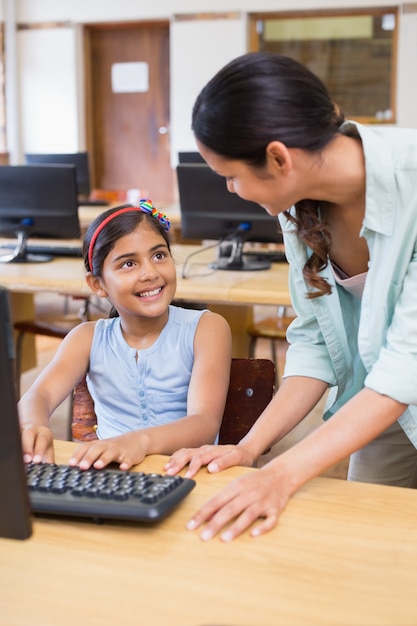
(280, 156)
(95, 284)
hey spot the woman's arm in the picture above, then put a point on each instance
(295, 398)
(206, 399)
(265, 493)
(51, 388)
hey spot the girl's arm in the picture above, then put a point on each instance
(52, 386)
(265, 493)
(206, 400)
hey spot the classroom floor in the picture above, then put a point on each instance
(46, 347)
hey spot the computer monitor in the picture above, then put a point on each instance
(78, 159)
(15, 517)
(37, 201)
(190, 157)
(210, 211)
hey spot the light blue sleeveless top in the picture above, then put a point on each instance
(134, 389)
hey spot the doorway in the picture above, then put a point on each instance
(127, 103)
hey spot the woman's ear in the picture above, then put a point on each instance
(95, 284)
(278, 153)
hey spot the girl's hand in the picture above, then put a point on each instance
(217, 458)
(260, 494)
(37, 444)
(126, 450)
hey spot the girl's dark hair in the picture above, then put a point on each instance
(261, 97)
(117, 227)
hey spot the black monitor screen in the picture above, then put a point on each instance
(79, 159)
(190, 157)
(210, 211)
(38, 201)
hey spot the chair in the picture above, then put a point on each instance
(251, 388)
(272, 328)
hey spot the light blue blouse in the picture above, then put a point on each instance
(134, 389)
(351, 343)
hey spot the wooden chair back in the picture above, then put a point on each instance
(251, 388)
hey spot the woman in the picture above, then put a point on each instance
(346, 198)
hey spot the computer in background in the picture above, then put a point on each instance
(190, 157)
(37, 201)
(210, 211)
(15, 517)
(82, 172)
(62, 490)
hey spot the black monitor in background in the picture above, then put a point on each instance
(190, 157)
(37, 201)
(78, 159)
(210, 211)
(15, 516)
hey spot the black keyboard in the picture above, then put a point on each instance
(46, 250)
(104, 494)
(71, 251)
(274, 256)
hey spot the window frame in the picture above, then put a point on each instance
(254, 41)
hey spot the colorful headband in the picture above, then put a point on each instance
(145, 206)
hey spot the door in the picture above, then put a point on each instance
(128, 115)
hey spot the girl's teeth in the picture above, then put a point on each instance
(150, 293)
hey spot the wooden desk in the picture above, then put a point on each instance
(342, 554)
(232, 294)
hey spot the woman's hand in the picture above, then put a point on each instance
(217, 458)
(126, 450)
(37, 444)
(259, 494)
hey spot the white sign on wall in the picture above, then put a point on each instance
(130, 77)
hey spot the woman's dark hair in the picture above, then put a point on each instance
(116, 228)
(261, 97)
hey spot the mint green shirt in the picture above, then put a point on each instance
(372, 342)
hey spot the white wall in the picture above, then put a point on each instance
(49, 59)
(48, 90)
(107, 10)
(195, 47)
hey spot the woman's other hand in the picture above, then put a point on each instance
(216, 458)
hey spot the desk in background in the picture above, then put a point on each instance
(87, 214)
(342, 554)
(232, 294)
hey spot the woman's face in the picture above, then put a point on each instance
(266, 186)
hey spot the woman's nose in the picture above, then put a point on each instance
(230, 186)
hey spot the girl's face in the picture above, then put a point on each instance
(139, 275)
(268, 187)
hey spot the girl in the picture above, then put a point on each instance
(346, 198)
(151, 367)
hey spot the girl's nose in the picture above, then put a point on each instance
(148, 270)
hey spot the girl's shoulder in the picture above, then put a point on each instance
(181, 314)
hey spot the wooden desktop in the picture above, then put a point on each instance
(233, 294)
(342, 554)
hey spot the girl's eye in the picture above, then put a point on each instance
(159, 256)
(128, 264)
